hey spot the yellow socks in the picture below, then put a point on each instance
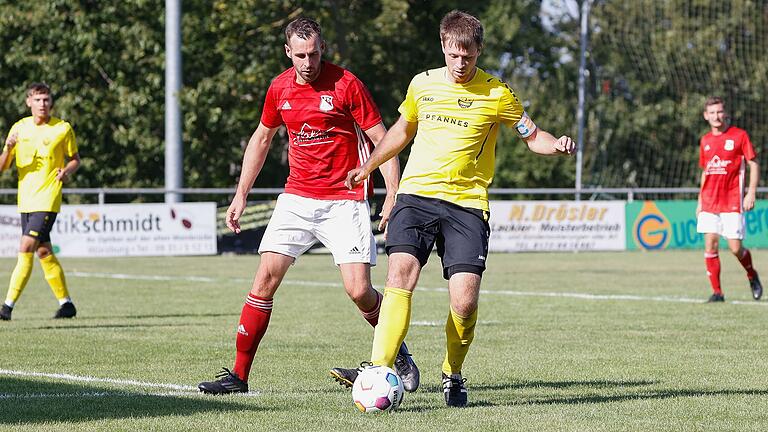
(19, 277)
(459, 332)
(394, 318)
(54, 274)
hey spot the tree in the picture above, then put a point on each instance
(655, 63)
(105, 62)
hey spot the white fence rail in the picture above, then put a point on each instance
(587, 194)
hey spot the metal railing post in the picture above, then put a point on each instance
(582, 93)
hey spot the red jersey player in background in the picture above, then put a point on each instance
(329, 116)
(724, 153)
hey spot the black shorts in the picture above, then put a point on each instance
(38, 225)
(461, 233)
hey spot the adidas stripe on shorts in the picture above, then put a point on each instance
(342, 226)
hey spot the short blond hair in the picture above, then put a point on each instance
(461, 29)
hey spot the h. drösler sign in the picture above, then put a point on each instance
(518, 226)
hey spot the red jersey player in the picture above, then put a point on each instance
(330, 116)
(724, 153)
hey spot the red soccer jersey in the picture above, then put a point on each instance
(325, 120)
(722, 157)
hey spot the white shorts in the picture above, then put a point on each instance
(343, 226)
(729, 225)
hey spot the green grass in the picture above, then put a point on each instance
(639, 358)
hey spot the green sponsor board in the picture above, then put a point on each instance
(656, 225)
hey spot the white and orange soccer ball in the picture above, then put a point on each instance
(376, 389)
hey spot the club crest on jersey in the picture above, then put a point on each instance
(326, 102)
(729, 144)
(465, 102)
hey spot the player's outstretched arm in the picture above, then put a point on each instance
(390, 170)
(544, 143)
(396, 138)
(253, 162)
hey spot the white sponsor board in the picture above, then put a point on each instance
(518, 226)
(122, 230)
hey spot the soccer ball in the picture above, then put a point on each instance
(377, 388)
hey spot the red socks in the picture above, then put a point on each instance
(372, 316)
(254, 320)
(746, 262)
(712, 261)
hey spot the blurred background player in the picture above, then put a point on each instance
(46, 156)
(454, 112)
(723, 154)
(328, 114)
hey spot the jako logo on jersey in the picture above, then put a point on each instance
(286, 106)
(652, 228)
(326, 103)
(241, 330)
(729, 144)
(427, 99)
(465, 102)
(717, 165)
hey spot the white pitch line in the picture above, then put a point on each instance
(141, 277)
(84, 395)
(573, 295)
(176, 389)
(584, 296)
(79, 378)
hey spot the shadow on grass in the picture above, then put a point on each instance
(27, 401)
(645, 395)
(565, 384)
(512, 385)
(628, 395)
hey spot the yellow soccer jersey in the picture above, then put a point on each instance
(39, 151)
(454, 153)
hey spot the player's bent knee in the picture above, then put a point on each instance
(265, 285)
(359, 297)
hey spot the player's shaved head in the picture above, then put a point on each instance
(303, 28)
(461, 29)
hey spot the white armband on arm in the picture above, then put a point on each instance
(525, 126)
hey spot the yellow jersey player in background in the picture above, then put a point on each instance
(454, 113)
(46, 156)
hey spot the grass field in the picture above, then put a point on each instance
(566, 342)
